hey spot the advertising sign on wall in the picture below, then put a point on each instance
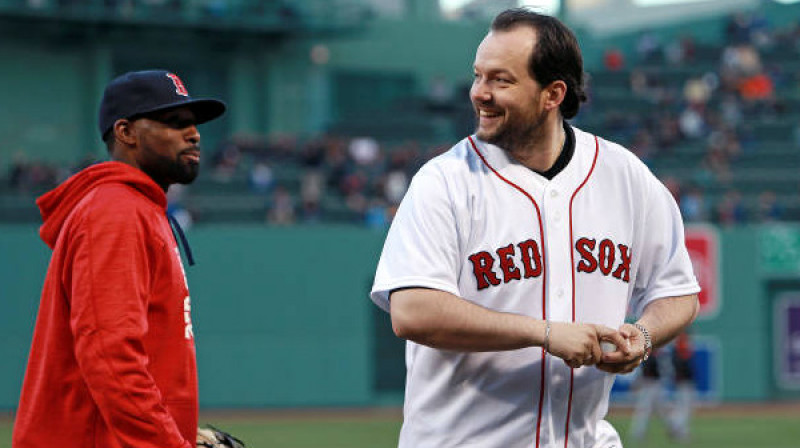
(703, 246)
(787, 340)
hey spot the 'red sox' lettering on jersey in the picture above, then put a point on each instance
(606, 259)
(523, 261)
(483, 263)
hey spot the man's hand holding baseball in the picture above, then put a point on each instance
(578, 344)
(626, 360)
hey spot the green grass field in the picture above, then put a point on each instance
(709, 430)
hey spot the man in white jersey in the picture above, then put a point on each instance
(514, 256)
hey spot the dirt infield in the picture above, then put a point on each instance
(791, 408)
(734, 409)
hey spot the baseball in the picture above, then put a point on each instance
(608, 347)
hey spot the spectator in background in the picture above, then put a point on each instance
(680, 51)
(649, 396)
(261, 177)
(667, 130)
(716, 165)
(312, 180)
(643, 145)
(375, 215)
(396, 179)
(312, 185)
(364, 150)
(693, 205)
(693, 119)
(613, 60)
(725, 140)
(730, 109)
(681, 355)
(674, 187)
(226, 162)
(648, 47)
(768, 209)
(731, 210)
(738, 28)
(281, 210)
(18, 166)
(667, 368)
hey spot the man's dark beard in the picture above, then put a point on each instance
(167, 171)
(184, 173)
(509, 138)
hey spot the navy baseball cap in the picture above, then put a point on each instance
(135, 94)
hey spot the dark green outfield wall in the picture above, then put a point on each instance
(282, 317)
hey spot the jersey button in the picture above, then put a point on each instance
(560, 292)
(553, 193)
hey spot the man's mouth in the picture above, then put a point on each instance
(488, 114)
(192, 155)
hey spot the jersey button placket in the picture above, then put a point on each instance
(559, 300)
(558, 252)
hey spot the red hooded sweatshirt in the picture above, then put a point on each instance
(112, 363)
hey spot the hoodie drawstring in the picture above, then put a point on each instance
(176, 227)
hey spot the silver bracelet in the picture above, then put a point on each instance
(547, 336)
(648, 343)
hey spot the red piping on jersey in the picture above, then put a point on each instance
(544, 275)
(572, 260)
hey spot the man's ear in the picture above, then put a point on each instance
(124, 131)
(554, 94)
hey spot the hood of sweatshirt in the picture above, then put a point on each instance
(57, 205)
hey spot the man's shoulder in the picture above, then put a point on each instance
(458, 158)
(119, 195)
(611, 154)
(117, 202)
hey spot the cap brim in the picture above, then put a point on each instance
(204, 109)
(207, 109)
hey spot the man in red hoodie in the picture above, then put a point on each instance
(112, 363)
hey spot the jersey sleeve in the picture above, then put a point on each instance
(421, 248)
(109, 279)
(665, 269)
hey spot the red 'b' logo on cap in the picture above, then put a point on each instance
(180, 89)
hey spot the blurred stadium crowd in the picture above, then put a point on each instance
(720, 125)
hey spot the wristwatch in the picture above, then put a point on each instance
(648, 343)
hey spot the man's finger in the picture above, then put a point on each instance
(615, 337)
(617, 357)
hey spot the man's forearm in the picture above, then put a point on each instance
(441, 320)
(666, 318)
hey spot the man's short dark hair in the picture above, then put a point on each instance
(556, 56)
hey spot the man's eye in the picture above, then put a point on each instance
(178, 123)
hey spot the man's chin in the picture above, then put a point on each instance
(188, 175)
(485, 135)
(492, 137)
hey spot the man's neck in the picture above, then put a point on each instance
(543, 150)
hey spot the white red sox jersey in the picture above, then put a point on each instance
(602, 236)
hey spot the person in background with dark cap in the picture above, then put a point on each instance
(112, 362)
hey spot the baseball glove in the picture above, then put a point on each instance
(211, 437)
